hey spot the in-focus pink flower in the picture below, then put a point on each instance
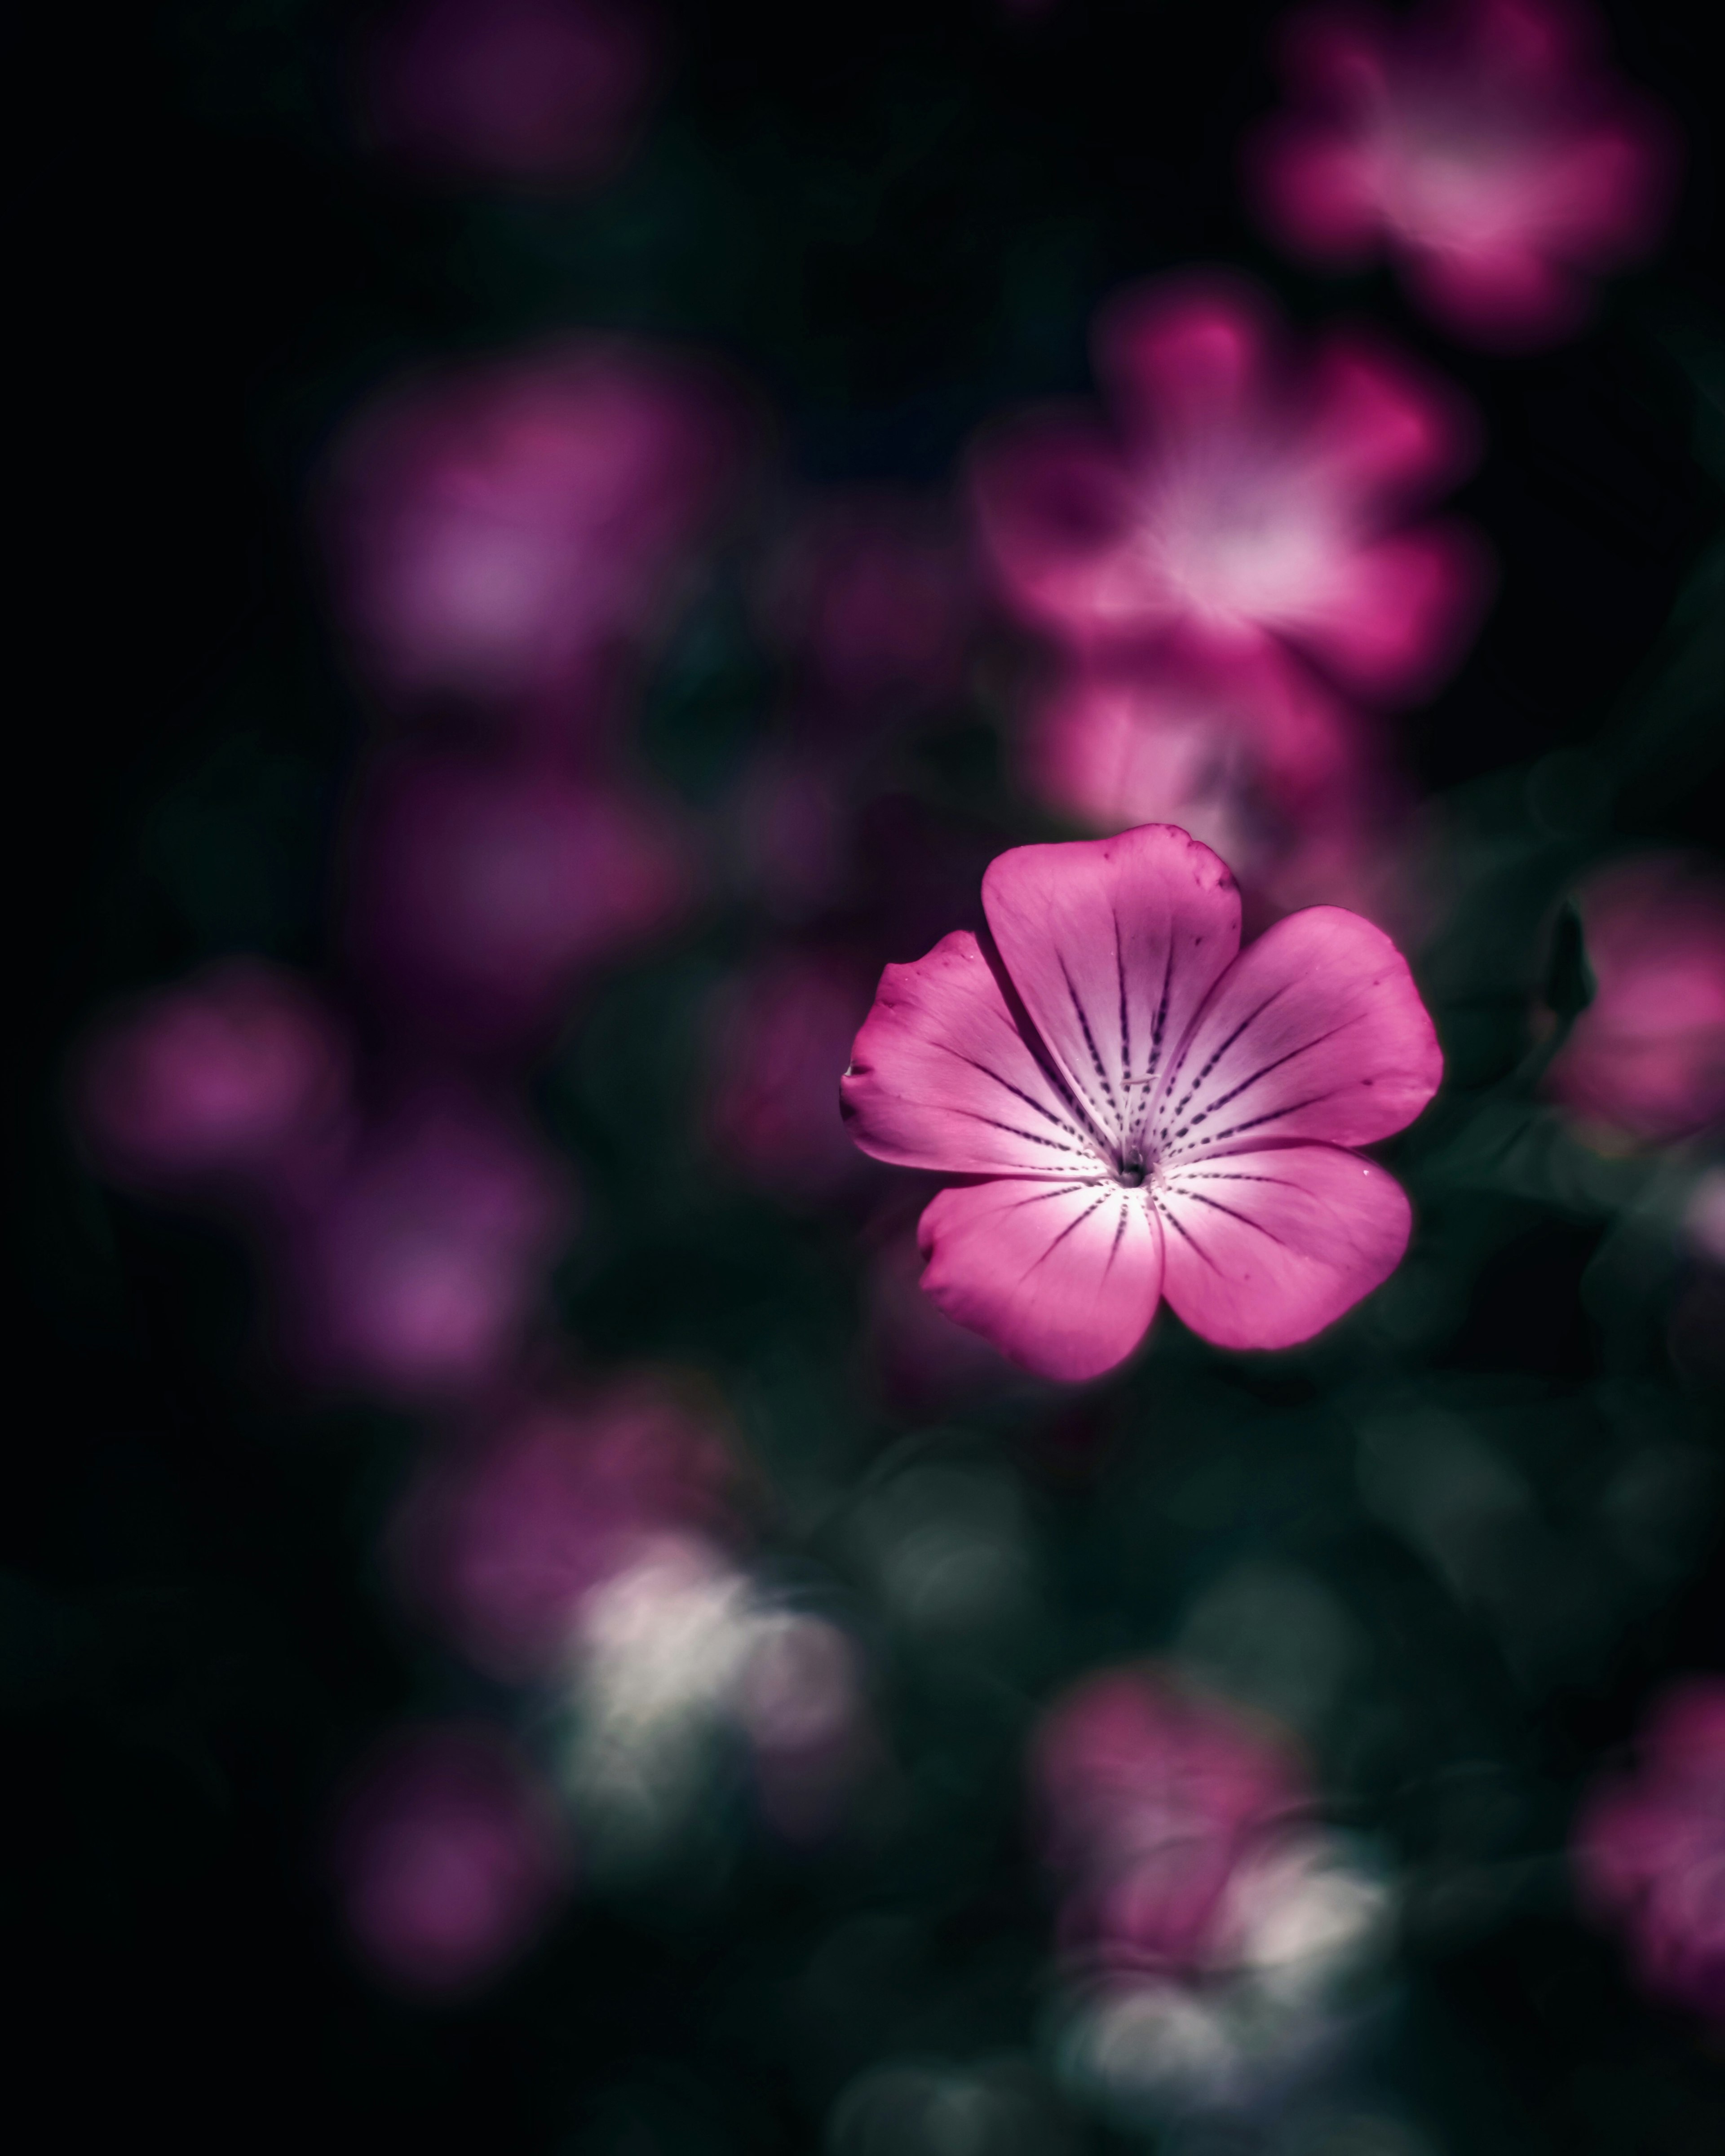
(495, 530)
(1482, 144)
(1151, 1797)
(1138, 1108)
(1646, 1058)
(449, 1857)
(502, 1542)
(550, 93)
(1256, 761)
(415, 1272)
(235, 1076)
(1649, 1850)
(779, 1040)
(482, 892)
(1244, 505)
(873, 594)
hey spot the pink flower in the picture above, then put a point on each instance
(1481, 144)
(1256, 761)
(415, 1273)
(526, 91)
(1646, 1058)
(1140, 1109)
(1649, 1850)
(495, 529)
(449, 1857)
(480, 893)
(1242, 507)
(778, 1041)
(1154, 1799)
(502, 1543)
(232, 1077)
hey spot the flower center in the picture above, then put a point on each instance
(1132, 1171)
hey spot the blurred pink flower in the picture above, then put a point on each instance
(1152, 1798)
(1481, 144)
(482, 892)
(779, 1040)
(501, 1542)
(1244, 505)
(1649, 1850)
(415, 1272)
(1255, 761)
(1139, 1108)
(449, 1856)
(236, 1076)
(1646, 1058)
(552, 92)
(495, 529)
(874, 593)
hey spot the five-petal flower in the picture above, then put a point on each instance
(1137, 1108)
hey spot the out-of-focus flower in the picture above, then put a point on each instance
(238, 1076)
(417, 1269)
(1151, 1797)
(495, 529)
(779, 1040)
(1649, 1850)
(501, 1542)
(1154, 1113)
(449, 1858)
(1244, 505)
(480, 892)
(873, 594)
(1255, 760)
(1482, 144)
(546, 93)
(1207, 1931)
(674, 1656)
(1646, 1058)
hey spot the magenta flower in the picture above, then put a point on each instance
(480, 893)
(495, 530)
(1649, 1850)
(1152, 1798)
(1243, 507)
(416, 1272)
(1139, 1109)
(1257, 761)
(1645, 1060)
(502, 1542)
(449, 1858)
(1481, 144)
(237, 1077)
(530, 92)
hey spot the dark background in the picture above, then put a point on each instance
(895, 220)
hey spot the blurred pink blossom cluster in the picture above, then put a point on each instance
(1648, 1851)
(1482, 144)
(1209, 1932)
(1645, 1062)
(546, 94)
(1241, 550)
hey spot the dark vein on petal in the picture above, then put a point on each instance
(1251, 1018)
(1245, 1220)
(1078, 1012)
(1204, 1114)
(1071, 1228)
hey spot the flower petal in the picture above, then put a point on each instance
(1113, 944)
(1266, 1249)
(1063, 1277)
(940, 1076)
(1054, 502)
(1388, 618)
(1316, 1031)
